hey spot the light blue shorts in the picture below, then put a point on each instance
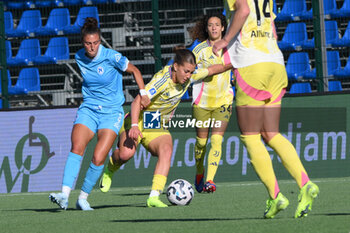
(96, 119)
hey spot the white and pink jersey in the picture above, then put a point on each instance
(212, 91)
(257, 40)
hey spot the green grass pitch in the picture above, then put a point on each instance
(234, 207)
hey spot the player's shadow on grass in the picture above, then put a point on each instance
(54, 210)
(118, 206)
(335, 214)
(185, 220)
(131, 194)
(51, 210)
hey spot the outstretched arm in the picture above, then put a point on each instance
(242, 12)
(134, 131)
(145, 101)
(217, 69)
(211, 70)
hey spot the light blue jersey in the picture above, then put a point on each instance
(102, 89)
(102, 85)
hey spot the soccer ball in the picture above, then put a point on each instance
(180, 192)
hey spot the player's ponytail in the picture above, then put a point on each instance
(184, 56)
(90, 27)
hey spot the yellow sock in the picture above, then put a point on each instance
(290, 159)
(112, 167)
(214, 156)
(199, 154)
(261, 161)
(158, 182)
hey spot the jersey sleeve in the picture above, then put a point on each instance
(78, 59)
(199, 74)
(198, 52)
(118, 60)
(199, 59)
(156, 86)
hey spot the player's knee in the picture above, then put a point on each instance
(98, 161)
(125, 156)
(166, 151)
(267, 136)
(201, 142)
(78, 149)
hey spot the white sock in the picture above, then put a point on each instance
(83, 195)
(154, 193)
(66, 190)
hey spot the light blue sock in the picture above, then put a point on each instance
(92, 175)
(71, 169)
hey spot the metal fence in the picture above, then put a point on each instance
(131, 26)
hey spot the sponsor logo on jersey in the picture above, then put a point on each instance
(100, 70)
(152, 91)
(117, 57)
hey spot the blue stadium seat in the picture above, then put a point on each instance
(90, 2)
(11, 89)
(298, 88)
(333, 65)
(58, 19)
(28, 49)
(48, 3)
(294, 36)
(170, 62)
(292, 10)
(28, 79)
(194, 44)
(15, 4)
(334, 86)
(343, 12)
(186, 96)
(57, 49)
(8, 49)
(298, 65)
(8, 21)
(332, 35)
(100, 1)
(306, 15)
(328, 5)
(30, 20)
(345, 40)
(274, 8)
(84, 12)
(43, 3)
(72, 2)
(20, 4)
(344, 72)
